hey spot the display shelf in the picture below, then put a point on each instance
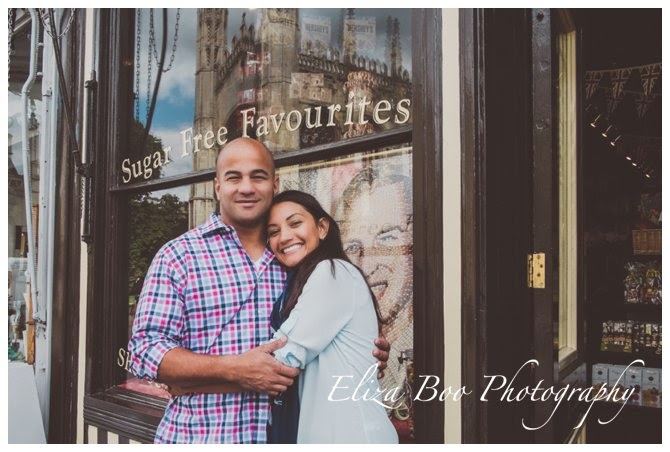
(629, 407)
(624, 311)
(647, 242)
(605, 302)
(624, 358)
(642, 307)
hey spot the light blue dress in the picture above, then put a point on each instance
(330, 335)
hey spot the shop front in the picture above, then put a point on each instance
(331, 94)
(448, 145)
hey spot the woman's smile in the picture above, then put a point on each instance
(293, 233)
(292, 248)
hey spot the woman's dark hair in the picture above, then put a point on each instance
(329, 248)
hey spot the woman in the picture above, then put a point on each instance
(330, 317)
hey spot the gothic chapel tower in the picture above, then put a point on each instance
(279, 37)
(211, 51)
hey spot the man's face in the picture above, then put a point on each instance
(377, 236)
(245, 183)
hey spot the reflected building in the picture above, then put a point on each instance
(261, 73)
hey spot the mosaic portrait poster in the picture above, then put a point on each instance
(370, 197)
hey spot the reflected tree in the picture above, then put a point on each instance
(153, 222)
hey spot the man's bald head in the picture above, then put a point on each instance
(245, 183)
(244, 143)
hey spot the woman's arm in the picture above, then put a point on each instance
(325, 306)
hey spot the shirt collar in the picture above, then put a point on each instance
(214, 224)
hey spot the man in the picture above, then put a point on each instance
(205, 308)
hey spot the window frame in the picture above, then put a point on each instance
(136, 415)
(567, 192)
(570, 354)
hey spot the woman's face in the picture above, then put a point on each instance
(293, 232)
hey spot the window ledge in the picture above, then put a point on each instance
(135, 416)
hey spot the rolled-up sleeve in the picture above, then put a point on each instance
(158, 324)
(323, 309)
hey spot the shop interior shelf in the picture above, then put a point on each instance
(622, 358)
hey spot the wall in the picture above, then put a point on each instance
(451, 196)
(89, 63)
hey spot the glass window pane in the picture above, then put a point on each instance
(20, 212)
(567, 203)
(155, 218)
(292, 78)
(369, 195)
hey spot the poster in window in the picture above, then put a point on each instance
(370, 197)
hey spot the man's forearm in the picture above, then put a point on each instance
(254, 370)
(185, 368)
(215, 388)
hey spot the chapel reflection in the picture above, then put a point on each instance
(294, 79)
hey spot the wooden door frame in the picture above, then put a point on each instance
(479, 246)
(474, 426)
(544, 230)
(427, 185)
(67, 248)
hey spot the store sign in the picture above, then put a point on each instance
(123, 359)
(382, 112)
(355, 113)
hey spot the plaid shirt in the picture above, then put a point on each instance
(202, 293)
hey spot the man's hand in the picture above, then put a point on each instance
(382, 354)
(257, 370)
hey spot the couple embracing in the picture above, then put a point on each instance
(213, 297)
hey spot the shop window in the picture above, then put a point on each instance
(154, 219)
(568, 199)
(23, 143)
(327, 91)
(291, 78)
